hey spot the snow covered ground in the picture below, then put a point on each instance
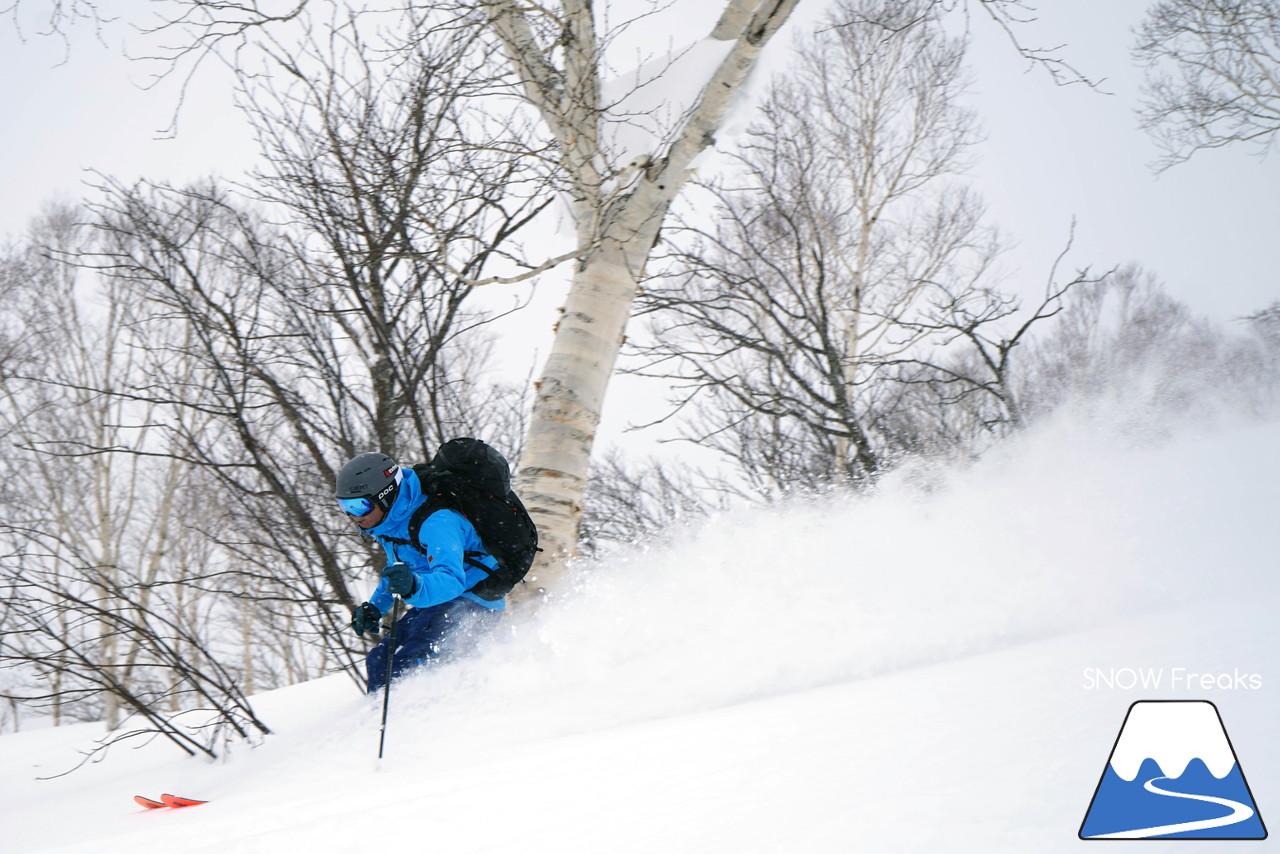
(942, 667)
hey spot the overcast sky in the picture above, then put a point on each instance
(1206, 227)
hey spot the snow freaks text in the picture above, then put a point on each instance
(1168, 678)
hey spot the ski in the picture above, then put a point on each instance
(176, 802)
(166, 800)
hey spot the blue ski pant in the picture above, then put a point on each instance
(424, 634)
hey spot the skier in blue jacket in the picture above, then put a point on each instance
(433, 580)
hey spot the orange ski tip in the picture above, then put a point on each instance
(148, 802)
(176, 801)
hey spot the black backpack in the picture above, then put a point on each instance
(471, 477)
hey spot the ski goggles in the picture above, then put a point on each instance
(357, 506)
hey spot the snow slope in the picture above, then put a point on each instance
(914, 671)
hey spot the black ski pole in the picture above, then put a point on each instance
(386, 688)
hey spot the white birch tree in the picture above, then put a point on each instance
(617, 209)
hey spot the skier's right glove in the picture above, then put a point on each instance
(366, 618)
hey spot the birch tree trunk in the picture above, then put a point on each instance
(618, 229)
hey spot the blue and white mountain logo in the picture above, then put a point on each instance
(1173, 774)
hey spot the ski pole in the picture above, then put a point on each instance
(386, 688)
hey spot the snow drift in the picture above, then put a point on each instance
(1057, 531)
(779, 677)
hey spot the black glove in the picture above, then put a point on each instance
(366, 618)
(400, 580)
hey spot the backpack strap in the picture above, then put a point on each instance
(473, 559)
(436, 499)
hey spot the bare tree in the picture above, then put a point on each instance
(268, 339)
(16, 351)
(557, 58)
(1213, 74)
(1267, 324)
(60, 609)
(14, 272)
(243, 341)
(338, 332)
(637, 502)
(1123, 339)
(93, 540)
(105, 505)
(818, 279)
(968, 366)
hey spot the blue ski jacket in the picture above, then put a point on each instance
(443, 573)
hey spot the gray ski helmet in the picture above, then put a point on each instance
(372, 476)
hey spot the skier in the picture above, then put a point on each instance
(432, 575)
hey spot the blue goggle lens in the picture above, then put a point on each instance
(356, 506)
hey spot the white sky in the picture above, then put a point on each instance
(1207, 227)
(65, 111)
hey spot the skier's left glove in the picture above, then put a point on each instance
(400, 580)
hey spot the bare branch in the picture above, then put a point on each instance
(1213, 75)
